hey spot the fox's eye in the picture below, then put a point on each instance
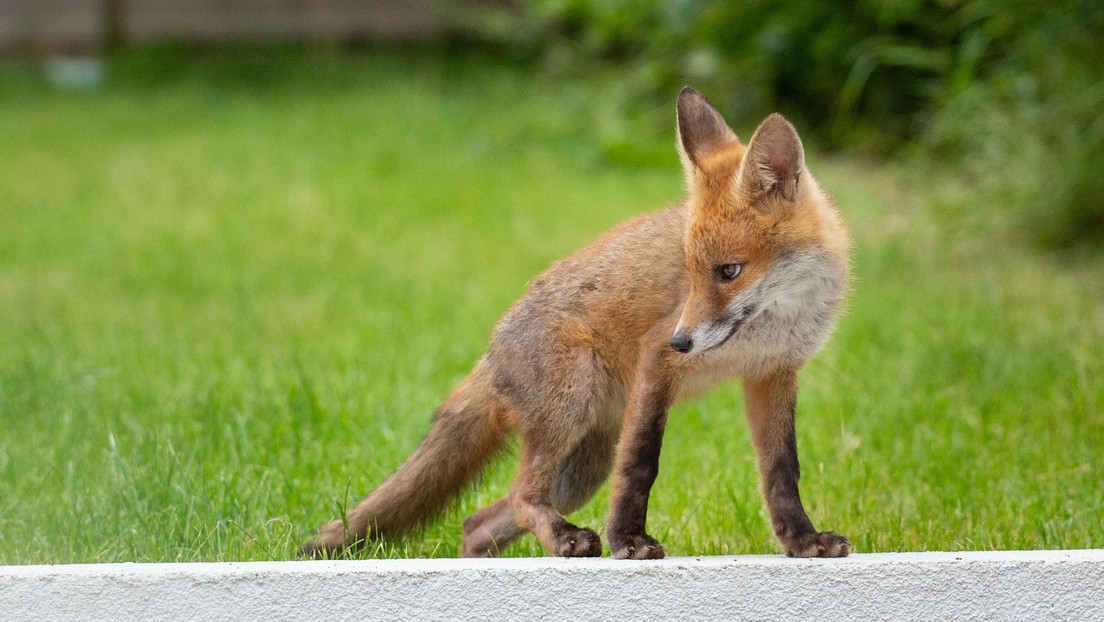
(728, 271)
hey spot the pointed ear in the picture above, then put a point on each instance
(701, 130)
(773, 162)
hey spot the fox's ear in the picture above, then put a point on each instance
(773, 162)
(701, 131)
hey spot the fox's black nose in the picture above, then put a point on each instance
(682, 342)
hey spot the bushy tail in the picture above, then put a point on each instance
(466, 433)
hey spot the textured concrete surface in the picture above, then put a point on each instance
(1014, 585)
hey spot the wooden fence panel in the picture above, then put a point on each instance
(51, 24)
(61, 25)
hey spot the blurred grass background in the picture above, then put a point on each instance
(236, 280)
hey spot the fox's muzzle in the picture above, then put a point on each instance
(682, 342)
(711, 335)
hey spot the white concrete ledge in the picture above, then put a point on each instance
(1013, 585)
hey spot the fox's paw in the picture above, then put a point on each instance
(578, 543)
(638, 546)
(823, 544)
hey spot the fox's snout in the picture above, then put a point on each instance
(711, 334)
(682, 342)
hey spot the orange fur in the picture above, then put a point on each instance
(584, 366)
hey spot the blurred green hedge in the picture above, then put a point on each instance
(1011, 90)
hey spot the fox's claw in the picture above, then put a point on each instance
(823, 544)
(579, 543)
(640, 546)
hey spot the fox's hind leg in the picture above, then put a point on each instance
(582, 473)
(558, 408)
(490, 530)
(587, 468)
(534, 508)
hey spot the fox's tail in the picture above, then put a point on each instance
(467, 431)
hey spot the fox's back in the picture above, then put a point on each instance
(607, 295)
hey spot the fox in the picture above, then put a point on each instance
(744, 278)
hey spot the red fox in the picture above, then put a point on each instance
(743, 279)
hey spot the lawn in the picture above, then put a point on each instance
(232, 293)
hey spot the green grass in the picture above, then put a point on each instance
(232, 293)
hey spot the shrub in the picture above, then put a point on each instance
(980, 80)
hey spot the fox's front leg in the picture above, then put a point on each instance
(638, 461)
(771, 402)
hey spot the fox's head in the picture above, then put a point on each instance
(760, 237)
